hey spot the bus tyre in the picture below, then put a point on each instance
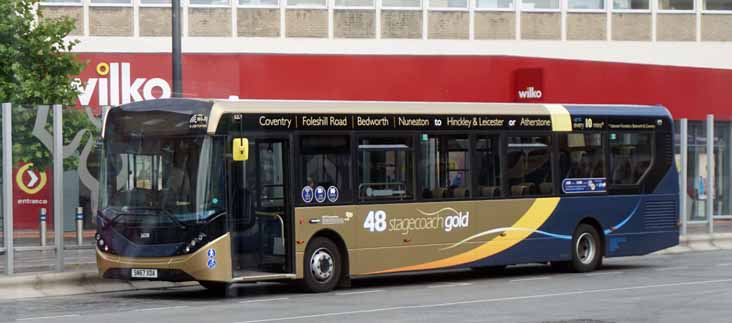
(586, 249)
(322, 266)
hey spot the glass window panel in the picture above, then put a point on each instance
(385, 169)
(488, 169)
(581, 156)
(210, 2)
(539, 4)
(630, 4)
(718, 5)
(630, 157)
(61, 1)
(155, 1)
(444, 167)
(529, 170)
(676, 4)
(354, 3)
(111, 1)
(326, 163)
(402, 3)
(306, 3)
(586, 4)
(494, 4)
(448, 3)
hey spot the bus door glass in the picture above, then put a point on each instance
(259, 207)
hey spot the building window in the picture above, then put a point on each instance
(155, 2)
(401, 3)
(61, 2)
(209, 2)
(586, 4)
(259, 3)
(119, 2)
(452, 4)
(630, 157)
(444, 166)
(630, 5)
(487, 170)
(307, 3)
(718, 5)
(528, 165)
(326, 163)
(676, 4)
(385, 168)
(494, 4)
(355, 3)
(581, 156)
(540, 5)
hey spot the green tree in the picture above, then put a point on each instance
(37, 67)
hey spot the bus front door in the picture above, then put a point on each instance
(259, 209)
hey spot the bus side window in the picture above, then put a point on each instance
(581, 155)
(444, 168)
(529, 170)
(326, 162)
(630, 157)
(488, 167)
(385, 168)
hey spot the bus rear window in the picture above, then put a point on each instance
(630, 157)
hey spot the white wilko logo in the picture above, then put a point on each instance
(530, 93)
(115, 86)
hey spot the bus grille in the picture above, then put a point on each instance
(660, 215)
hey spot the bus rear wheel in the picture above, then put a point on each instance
(586, 249)
(322, 264)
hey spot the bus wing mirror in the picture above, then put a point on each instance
(240, 149)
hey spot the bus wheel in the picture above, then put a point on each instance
(586, 249)
(322, 266)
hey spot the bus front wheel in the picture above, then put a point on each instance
(586, 249)
(322, 266)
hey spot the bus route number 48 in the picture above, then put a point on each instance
(375, 221)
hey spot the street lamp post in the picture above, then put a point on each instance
(176, 33)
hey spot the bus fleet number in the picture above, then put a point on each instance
(375, 221)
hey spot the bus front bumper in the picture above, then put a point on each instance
(211, 262)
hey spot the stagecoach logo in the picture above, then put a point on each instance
(198, 121)
(115, 86)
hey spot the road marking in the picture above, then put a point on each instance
(724, 265)
(158, 308)
(529, 279)
(360, 292)
(264, 300)
(491, 300)
(48, 317)
(449, 285)
(672, 268)
(604, 273)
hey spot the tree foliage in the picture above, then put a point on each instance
(37, 67)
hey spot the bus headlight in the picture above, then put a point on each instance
(101, 242)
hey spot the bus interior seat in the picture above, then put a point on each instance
(460, 192)
(439, 192)
(490, 191)
(546, 188)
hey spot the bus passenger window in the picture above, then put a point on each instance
(385, 168)
(529, 170)
(326, 163)
(581, 155)
(444, 167)
(630, 157)
(488, 168)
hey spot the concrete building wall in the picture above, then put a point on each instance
(631, 26)
(541, 25)
(354, 24)
(110, 21)
(586, 26)
(448, 24)
(210, 22)
(401, 24)
(155, 22)
(495, 25)
(306, 23)
(676, 27)
(716, 27)
(75, 13)
(258, 22)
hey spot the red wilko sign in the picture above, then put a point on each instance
(529, 84)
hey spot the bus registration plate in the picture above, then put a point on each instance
(144, 273)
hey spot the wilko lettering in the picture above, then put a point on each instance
(530, 93)
(115, 86)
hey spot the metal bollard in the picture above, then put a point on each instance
(79, 225)
(44, 230)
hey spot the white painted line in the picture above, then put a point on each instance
(360, 292)
(724, 265)
(672, 268)
(158, 308)
(47, 317)
(529, 279)
(449, 285)
(492, 300)
(264, 300)
(601, 273)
